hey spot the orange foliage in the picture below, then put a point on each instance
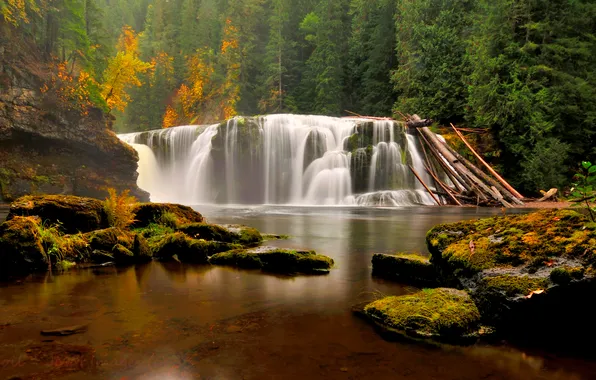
(72, 92)
(14, 11)
(170, 118)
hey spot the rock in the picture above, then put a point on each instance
(271, 259)
(167, 214)
(229, 233)
(64, 331)
(47, 146)
(528, 274)
(73, 214)
(403, 267)
(442, 314)
(118, 245)
(21, 247)
(188, 250)
(244, 235)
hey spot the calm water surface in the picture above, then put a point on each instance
(174, 321)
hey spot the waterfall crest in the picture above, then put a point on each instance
(282, 159)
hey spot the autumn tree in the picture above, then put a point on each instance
(122, 71)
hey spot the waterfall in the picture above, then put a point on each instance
(282, 159)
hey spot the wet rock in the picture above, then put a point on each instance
(73, 214)
(64, 331)
(404, 267)
(21, 247)
(244, 235)
(167, 214)
(187, 249)
(118, 245)
(277, 260)
(442, 314)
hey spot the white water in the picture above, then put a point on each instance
(288, 159)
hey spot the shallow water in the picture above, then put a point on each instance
(173, 321)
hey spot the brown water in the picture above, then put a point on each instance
(173, 321)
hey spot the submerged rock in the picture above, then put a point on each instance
(442, 314)
(21, 247)
(404, 267)
(271, 259)
(167, 214)
(73, 214)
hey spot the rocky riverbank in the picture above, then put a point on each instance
(58, 232)
(524, 277)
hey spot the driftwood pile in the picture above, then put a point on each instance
(463, 182)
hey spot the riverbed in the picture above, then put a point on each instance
(175, 321)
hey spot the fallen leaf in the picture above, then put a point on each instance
(472, 246)
(539, 291)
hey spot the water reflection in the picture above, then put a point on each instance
(171, 320)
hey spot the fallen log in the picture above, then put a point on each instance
(443, 186)
(454, 177)
(425, 186)
(552, 193)
(490, 169)
(491, 182)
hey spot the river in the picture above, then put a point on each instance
(174, 321)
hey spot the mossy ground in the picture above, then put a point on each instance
(441, 314)
(275, 260)
(167, 214)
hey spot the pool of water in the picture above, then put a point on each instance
(175, 321)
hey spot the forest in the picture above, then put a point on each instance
(520, 75)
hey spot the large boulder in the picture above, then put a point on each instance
(230, 233)
(528, 274)
(168, 214)
(442, 314)
(187, 249)
(21, 245)
(73, 214)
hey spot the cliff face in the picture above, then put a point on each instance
(45, 149)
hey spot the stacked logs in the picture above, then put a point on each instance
(462, 182)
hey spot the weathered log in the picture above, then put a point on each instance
(491, 182)
(425, 186)
(500, 198)
(552, 193)
(457, 181)
(490, 169)
(481, 190)
(443, 186)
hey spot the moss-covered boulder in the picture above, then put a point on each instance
(73, 214)
(276, 260)
(21, 247)
(405, 267)
(527, 273)
(118, 245)
(187, 249)
(442, 314)
(230, 233)
(167, 214)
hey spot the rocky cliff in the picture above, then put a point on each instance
(47, 149)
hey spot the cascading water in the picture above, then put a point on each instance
(282, 159)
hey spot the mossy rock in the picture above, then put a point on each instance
(244, 235)
(442, 314)
(187, 249)
(529, 240)
(232, 233)
(73, 214)
(168, 214)
(21, 247)
(276, 260)
(404, 267)
(122, 246)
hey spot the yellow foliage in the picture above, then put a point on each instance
(14, 11)
(119, 208)
(122, 71)
(72, 92)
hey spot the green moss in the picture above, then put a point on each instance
(208, 232)
(411, 268)
(166, 214)
(187, 249)
(565, 275)
(512, 286)
(432, 313)
(21, 245)
(65, 264)
(275, 260)
(249, 236)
